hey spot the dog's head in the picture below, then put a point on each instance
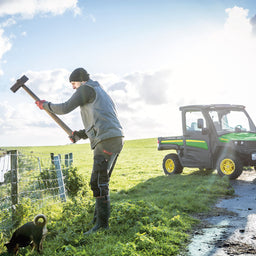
(12, 248)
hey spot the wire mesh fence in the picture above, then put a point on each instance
(32, 178)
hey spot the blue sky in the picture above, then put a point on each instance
(151, 56)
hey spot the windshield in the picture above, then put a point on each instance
(226, 121)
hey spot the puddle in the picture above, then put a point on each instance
(233, 230)
(204, 243)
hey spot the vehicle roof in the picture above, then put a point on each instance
(211, 106)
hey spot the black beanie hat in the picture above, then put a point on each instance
(79, 75)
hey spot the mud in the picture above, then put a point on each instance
(230, 228)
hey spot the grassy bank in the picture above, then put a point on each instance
(151, 214)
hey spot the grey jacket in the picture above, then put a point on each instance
(98, 114)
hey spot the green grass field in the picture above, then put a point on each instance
(151, 214)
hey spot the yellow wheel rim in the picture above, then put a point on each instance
(169, 165)
(227, 166)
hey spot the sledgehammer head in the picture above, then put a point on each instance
(20, 82)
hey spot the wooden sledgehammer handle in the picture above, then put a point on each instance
(52, 115)
(20, 83)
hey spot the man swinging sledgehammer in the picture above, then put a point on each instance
(104, 131)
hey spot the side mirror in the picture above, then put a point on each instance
(200, 123)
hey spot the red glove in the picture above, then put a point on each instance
(40, 103)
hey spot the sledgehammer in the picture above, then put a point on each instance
(21, 83)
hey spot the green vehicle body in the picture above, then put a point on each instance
(219, 136)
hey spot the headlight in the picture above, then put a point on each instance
(239, 143)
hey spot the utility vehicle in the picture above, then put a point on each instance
(219, 136)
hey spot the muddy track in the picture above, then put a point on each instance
(230, 228)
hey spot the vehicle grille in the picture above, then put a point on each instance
(247, 146)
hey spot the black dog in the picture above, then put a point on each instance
(31, 233)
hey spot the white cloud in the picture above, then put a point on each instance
(8, 22)
(152, 87)
(237, 22)
(5, 45)
(30, 8)
(50, 84)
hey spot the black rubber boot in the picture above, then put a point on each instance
(94, 216)
(102, 214)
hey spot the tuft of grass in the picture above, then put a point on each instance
(151, 214)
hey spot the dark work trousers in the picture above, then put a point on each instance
(105, 156)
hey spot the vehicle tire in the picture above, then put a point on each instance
(229, 166)
(172, 165)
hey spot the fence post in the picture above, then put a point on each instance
(70, 156)
(52, 158)
(56, 160)
(68, 159)
(14, 183)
